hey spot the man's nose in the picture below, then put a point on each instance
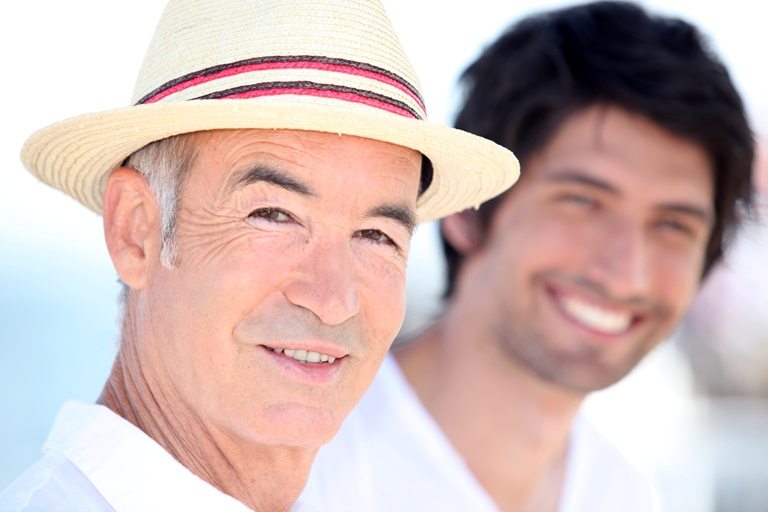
(325, 282)
(620, 259)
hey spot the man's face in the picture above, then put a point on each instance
(290, 283)
(594, 255)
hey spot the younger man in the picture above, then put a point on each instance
(635, 153)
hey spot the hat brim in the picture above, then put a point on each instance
(78, 154)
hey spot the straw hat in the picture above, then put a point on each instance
(324, 65)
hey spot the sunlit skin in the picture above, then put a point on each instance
(285, 239)
(589, 262)
(613, 213)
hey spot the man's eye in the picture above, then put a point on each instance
(579, 199)
(377, 236)
(270, 214)
(675, 226)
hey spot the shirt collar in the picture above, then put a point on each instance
(130, 470)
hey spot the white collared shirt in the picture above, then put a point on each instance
(97, 461)
(391, 455)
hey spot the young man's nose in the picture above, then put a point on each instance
(620, 259)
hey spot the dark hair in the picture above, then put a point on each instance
(551, 65)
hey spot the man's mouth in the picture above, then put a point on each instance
(305, 356)
(597, 318)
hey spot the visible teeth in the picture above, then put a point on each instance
(306, 356)
(595, 317)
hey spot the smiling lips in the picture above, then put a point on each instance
(597, 318)
(305, 356)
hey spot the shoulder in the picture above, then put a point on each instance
(52, 483)
(390, 442)
(601, 478)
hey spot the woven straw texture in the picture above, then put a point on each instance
(326, 65)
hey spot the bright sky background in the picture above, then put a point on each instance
(65, 58)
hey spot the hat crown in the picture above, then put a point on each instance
(333, 66)
(276, 47)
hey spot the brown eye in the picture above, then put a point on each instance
(582, 200)
(270, 214)
(376, 236)
(675, 226)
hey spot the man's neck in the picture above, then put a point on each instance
(265, 478)
(510, 426)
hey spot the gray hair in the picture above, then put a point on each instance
(165, 164)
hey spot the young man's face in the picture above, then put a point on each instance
(594, 256)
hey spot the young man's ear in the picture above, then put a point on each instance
(464, 231)
(131, 225)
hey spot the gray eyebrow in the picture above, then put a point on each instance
(265, 173)
(399, 213)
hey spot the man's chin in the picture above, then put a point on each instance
(588, 382)
(299, 427)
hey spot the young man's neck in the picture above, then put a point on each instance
(511, 427)
(264, 478)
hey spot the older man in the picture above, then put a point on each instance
(636, 155)
(258, 201)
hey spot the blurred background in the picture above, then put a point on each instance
(694, 415)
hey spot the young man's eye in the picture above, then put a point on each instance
(579, 199)
(675, 226)
(270, 214)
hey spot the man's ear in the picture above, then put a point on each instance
(464, 231)
(131, 225)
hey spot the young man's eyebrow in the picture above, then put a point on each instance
(702, 213)
(399, 213)
(579, 178)
(265, 173)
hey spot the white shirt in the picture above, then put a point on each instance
(391, 455)
(96, 461)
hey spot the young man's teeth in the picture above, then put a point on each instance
(306, 356)
(597, 318)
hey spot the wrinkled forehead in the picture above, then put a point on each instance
(305, 151)
(304, 161)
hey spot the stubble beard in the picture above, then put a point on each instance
(579, 371)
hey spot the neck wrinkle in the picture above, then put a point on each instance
(266, 480)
